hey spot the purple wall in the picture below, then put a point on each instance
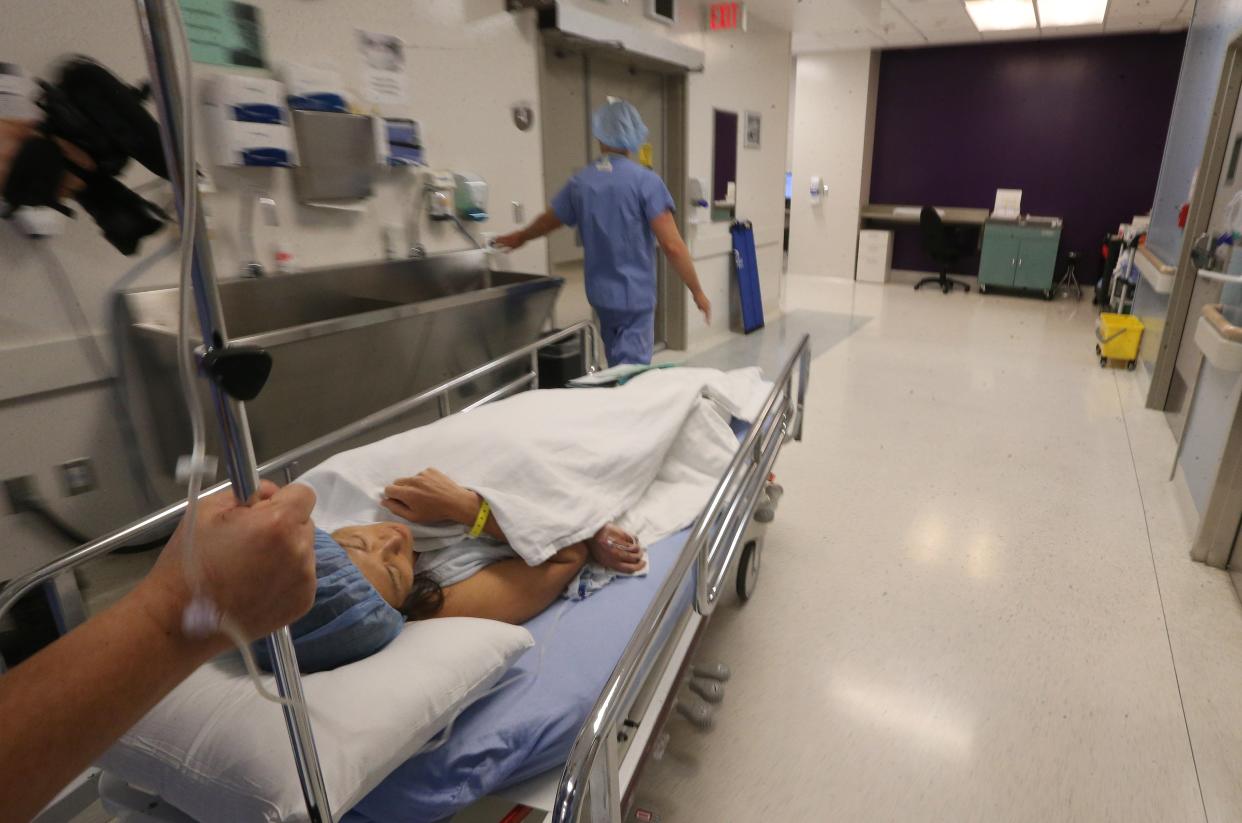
(1078, 124)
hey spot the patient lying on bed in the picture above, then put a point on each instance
(478, 577)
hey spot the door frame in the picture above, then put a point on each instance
(1202, 202)
(671, 303)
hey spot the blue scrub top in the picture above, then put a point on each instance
(612, 203)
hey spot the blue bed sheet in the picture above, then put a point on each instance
(529, 725)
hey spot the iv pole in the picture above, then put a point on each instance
(156, 28)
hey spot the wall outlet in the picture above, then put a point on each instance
(19, 490)
(78, 476)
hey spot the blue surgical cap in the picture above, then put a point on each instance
(619, 125)
(348, 621)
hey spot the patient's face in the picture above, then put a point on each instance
(384, 553)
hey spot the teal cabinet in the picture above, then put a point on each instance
(999, 261)
(1020, 255)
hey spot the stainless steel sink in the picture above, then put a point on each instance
(345, 342)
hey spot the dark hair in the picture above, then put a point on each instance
(425, 599)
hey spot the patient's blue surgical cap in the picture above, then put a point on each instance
(619, 125)
(349, 620)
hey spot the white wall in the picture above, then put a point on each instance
(745, 72)
(469, 60)
(833, 126)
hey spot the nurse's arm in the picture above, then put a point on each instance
(545, 223)
(678, 254)
(64, 706)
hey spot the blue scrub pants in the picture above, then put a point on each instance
(629, 336)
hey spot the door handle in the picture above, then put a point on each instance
(1019, 262)
(1201, 250)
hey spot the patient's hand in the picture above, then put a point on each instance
(431, 496)
(614, 549)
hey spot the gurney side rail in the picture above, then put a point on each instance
(164, 519)
(590, 785)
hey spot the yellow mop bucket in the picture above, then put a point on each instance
(1119, 336)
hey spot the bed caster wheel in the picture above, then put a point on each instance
(712, 671)
(1103, 362)
(1131, 365)
(983, 288)
(700, 714)
(748, 571)
(766, 512)
(1047, 294)
(1098, 350)
(710, 690)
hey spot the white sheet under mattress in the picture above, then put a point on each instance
(556, 465)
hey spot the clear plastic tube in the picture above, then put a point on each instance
(202, 617)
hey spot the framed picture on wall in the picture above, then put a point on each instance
(754, 124)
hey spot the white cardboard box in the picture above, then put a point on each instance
(875, 256)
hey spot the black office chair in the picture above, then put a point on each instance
(944, 246)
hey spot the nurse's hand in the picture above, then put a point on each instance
(510, 242)
(704, 305)
(256, 562)
(15, 133)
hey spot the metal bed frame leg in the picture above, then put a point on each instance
(155, 25)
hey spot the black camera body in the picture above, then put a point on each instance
(105, 117)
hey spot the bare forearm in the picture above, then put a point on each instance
(511, 591)
(675, 249)
(544, 224)
(683, 264)
(63, 707)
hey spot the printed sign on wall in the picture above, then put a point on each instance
(225, 33)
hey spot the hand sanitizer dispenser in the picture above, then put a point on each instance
(247, 121)
(439, 188)
(471, 197)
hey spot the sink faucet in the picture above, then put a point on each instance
(251, 267)
(461, 227)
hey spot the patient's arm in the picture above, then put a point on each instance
(433, 497)
(512, 591)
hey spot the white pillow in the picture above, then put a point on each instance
(218, 751)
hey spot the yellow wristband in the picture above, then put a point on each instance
(480, 522)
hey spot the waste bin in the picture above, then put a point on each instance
(561, 362)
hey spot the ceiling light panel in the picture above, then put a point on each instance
(1054, 13)
(1002, 15)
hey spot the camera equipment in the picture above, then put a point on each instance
(90, 108)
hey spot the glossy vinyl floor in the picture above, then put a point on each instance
(976, 601)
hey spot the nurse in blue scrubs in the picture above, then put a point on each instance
(622, 211)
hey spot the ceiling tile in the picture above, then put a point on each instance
(804, 42)
(1073, 31)
(1145, 8)
(935, 14)
(823, 25)
(893, 27)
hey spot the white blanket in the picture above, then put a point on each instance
(556, 465)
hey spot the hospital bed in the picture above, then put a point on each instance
(594, 736)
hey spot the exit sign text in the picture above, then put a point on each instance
(726, 16)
